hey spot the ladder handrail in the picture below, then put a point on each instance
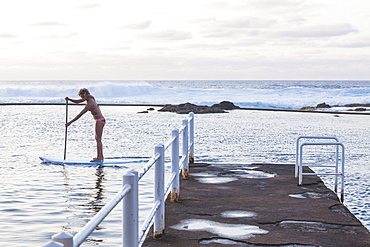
(297, 148)
(336, 173)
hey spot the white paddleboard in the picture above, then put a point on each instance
(56, 161)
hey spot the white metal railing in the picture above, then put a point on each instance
(131, 235)
(308, 137)
(337, 173)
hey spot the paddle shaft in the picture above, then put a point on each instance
(65, 133)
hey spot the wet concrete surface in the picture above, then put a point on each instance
(257, 205)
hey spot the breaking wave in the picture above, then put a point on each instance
(260, 94)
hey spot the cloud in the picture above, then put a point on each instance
(275, 5)
(68, 65)
(247, 22)
(7, 35)
(210, 38)
(233, 27)
(138, 25)
(90, 6)
(235, 23)
(205, 46)
(60, 36)
(318, 31)
(167, 35)
(47, 24)
(215, 5)
(221, 33)
(117, 48)
(245, 5)
(356, 44)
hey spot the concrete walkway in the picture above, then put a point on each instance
(257, 205)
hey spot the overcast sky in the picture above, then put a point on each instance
(193, 39)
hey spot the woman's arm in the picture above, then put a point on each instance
(76, 101)
(86, 108)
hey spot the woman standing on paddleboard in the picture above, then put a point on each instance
(98, 117)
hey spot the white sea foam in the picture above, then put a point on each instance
(260, 94)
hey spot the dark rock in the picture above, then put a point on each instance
(169, 108)
(143, 112)
(352, 105)
(360, 109)
(357, 105)
(226, 105)
(150, 109)
(323, 105)
(307, 108)
(189, 107)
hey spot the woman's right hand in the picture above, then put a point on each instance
(66, 98)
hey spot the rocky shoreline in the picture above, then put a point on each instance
(202, 109)
(225, 106)
(355, 107)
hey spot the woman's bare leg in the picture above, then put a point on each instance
(99, 125)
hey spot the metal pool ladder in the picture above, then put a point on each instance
(299, 160)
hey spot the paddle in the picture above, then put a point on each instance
(65, 134)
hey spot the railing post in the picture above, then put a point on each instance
(191, 136)
(185, 147)
(296, 158)
(342, 185)
(53, 244)
(60, 239)
(159, 192)
(175, 189)
(130, 215)
(300, 165)
(336, 168)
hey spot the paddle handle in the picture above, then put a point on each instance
(65, 132)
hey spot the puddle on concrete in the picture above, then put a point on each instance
(233, 175)
(242, 169)
(226, 241)
(216, 180)
(228, 166)
(232, 231)
(204, 174)
(238, 214)
(222, 241)
(222, 187)
(212, 178)
(299, 196)
(306, 195)
(308, 225)
(252, 174)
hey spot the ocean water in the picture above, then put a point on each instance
(262, 94)
(39, 200)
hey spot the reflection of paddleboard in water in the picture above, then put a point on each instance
(87, 162)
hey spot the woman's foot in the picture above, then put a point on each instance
(97, 160)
